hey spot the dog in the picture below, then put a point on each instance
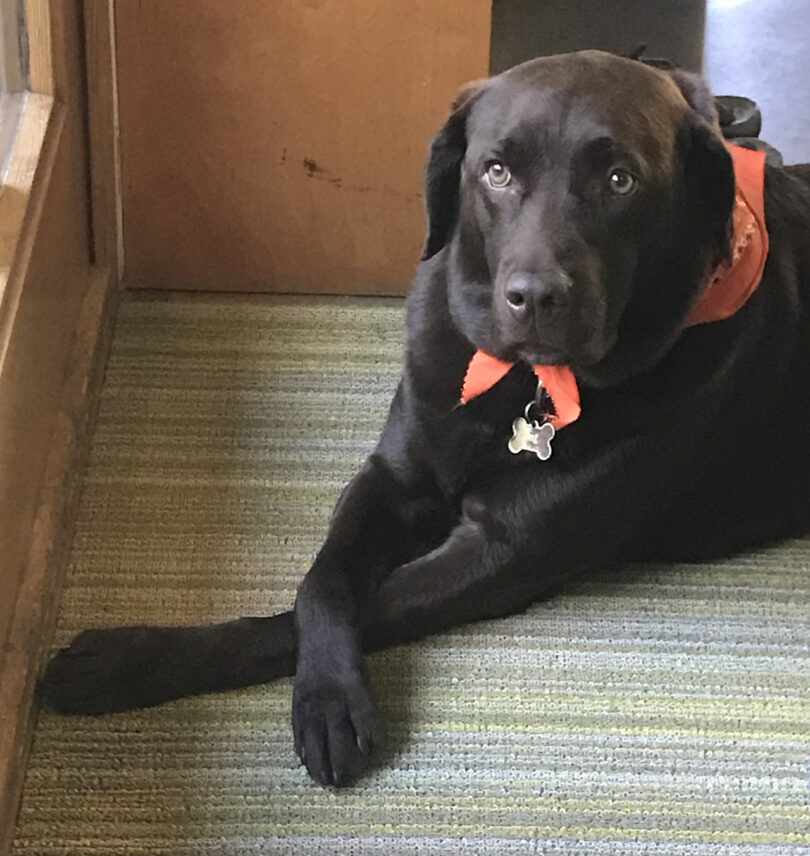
(607, 360)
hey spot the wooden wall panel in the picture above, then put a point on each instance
(50, 366)
(103, 136)
(40, 305)
(278, 146)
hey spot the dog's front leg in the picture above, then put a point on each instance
(335, 720)
(528, 532)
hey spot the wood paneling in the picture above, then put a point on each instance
(12, 74)
(20, 165)
(102, 121)
(39, 302)
(51, 349)
(40, 54)
(69, 417)
(279, 145)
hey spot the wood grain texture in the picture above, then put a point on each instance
(18, 176)
(103, 129)
(31, 623)
(11, 66)
(38, 24)
(279, 146)
(45, 392)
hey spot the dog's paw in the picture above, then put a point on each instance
(336, 726)
(104, 671)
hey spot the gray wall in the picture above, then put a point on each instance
(761, 48)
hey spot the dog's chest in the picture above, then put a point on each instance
(472, 441)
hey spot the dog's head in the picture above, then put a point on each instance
(583, 201)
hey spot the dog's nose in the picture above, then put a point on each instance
(527, 294)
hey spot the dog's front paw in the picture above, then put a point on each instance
(336, 725)
(104, 671)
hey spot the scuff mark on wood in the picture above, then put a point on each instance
(385, 191)
(315, 170)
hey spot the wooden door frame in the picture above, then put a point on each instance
(104, 135)
(55, 326)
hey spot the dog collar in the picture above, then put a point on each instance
(729, 288)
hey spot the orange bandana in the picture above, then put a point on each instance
(729, 288)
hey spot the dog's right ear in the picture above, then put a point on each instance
(443, 171)
(709, 166)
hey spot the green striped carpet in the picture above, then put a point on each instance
(661, 711)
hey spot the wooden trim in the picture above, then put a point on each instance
(10, 110)
(24, 126)
(24, 241)
(17, 181)
(40, 65)
(55, 321)
(30, 70)
(33, 619)
(103, 124)
(12, 72)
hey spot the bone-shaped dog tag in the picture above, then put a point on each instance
(531, 437)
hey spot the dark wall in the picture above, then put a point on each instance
(522, 29)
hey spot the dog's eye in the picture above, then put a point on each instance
(498, 175)
(621, 182)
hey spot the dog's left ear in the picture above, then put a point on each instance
(709, 168)
(697, 95)
(443, 171)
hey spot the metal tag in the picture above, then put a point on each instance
(531, 436)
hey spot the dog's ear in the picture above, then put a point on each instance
(443, 170)
(709, 168)
(697, 95)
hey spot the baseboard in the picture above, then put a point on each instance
(33, 617)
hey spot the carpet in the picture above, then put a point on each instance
(659, 710)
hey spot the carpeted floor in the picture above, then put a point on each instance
(660, 711)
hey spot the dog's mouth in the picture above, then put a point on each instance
(547, 355)
(585, 354)
(542, 356)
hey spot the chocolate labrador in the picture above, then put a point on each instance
(607, 360)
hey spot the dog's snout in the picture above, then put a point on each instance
(528, 293)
